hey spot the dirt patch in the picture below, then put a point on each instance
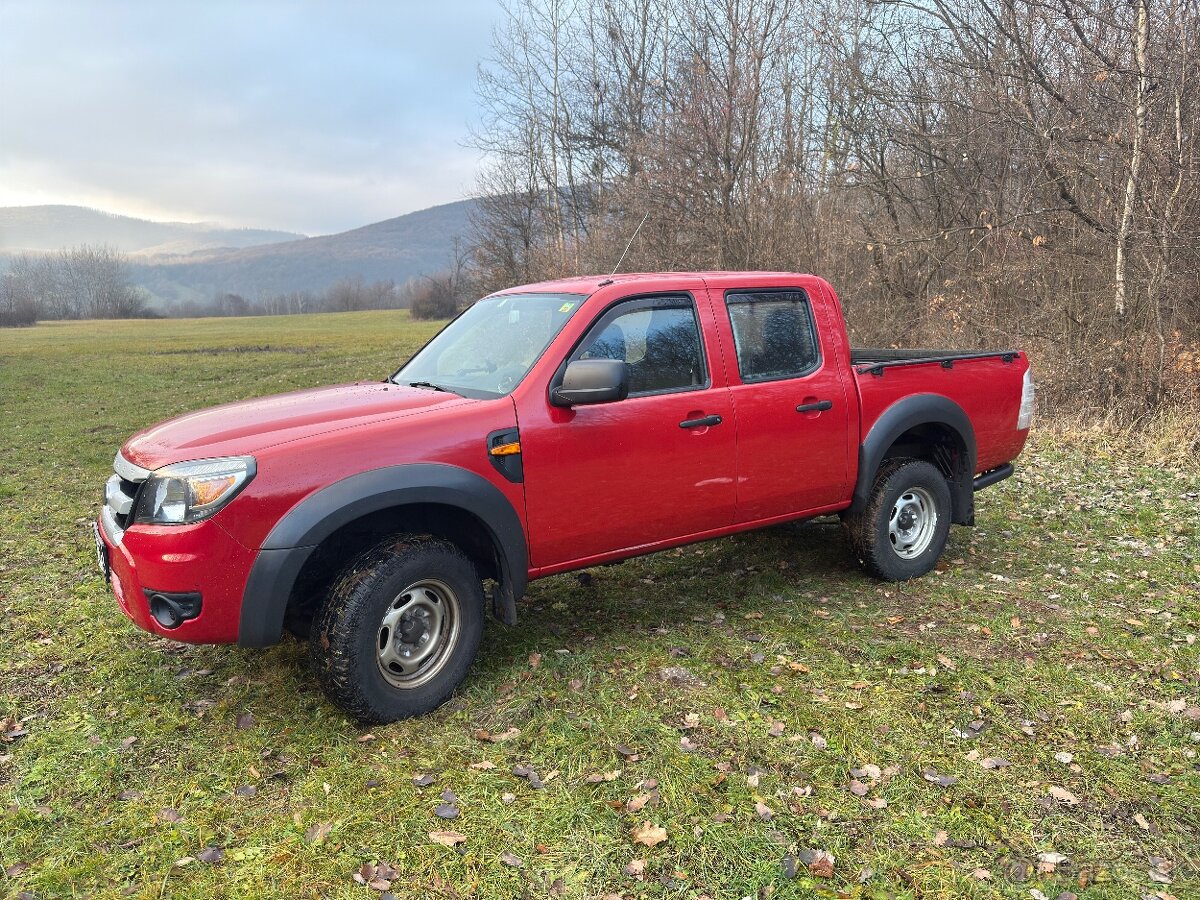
(217, 351)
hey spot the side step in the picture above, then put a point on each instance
(987, 479)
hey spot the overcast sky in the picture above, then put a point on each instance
(306, 116)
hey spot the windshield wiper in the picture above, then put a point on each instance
(431, 386)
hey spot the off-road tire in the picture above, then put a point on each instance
(870, 533)
(346, 630)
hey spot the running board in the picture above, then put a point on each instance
(987, 479)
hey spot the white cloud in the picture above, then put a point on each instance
(310, 117)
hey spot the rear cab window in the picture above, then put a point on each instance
(774, 334)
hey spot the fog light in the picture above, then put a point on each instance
(172, 610)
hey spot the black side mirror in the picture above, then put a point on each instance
(592, 381)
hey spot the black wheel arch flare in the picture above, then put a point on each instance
(301, 530)
(913, 412)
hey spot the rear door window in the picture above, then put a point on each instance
(773, 334)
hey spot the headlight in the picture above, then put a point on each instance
(192, 491)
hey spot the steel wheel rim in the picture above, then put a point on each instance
(912, 523)
(417, 634)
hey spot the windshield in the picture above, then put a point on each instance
(487, 350)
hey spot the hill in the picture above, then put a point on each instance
(408, 246)
(178, 261)
(38, 229)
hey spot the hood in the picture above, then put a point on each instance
(248, 426)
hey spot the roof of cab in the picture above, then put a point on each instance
(587, 284)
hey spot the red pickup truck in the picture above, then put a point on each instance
(549, 427)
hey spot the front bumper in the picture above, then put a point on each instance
(201, 558)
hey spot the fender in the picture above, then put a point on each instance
(920, 409)
(298, 533)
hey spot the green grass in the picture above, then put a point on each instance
(1065, 622)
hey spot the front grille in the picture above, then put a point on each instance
(121, 490)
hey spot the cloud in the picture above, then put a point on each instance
(309, 116)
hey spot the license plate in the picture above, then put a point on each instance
(101, 552)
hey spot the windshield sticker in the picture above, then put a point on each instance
(566, 307)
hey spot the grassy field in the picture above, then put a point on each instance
(1024, 722)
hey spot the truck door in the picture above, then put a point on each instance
(653, 467)
(789, 397)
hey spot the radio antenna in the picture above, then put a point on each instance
(630, 244)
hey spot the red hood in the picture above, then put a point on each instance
(245, 427)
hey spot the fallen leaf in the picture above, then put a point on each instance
(447, 838)
(316, 833)
(535, 660)
(171, 816)
(870, 771)
(858, 789)
(423, 780)
(511, 859)
(1049, 862)
(940, 839)
(649, 834)
(776, 729)
(598, 777)
(1141, 821)
(246, 721)
(16, 869)
(636, 869)
(211, 855)
(934, 777)
(483, 765)
(446, 811)
(687, 745)
(994, 762)
(638, 803)
(820, 862)
(1062, 795)
(764, 812)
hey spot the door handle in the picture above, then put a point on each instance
(819, 406)
(700, 423)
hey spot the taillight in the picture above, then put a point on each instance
(1028, 401)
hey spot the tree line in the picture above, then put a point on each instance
(93, 282)
(966, 172)
(85, 282)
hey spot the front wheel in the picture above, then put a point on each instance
(902, 530)
(399, 630)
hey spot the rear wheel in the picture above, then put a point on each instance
(399, 630)
(902, 530)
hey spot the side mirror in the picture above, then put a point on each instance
(592, 381)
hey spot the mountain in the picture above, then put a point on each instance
(408, 246)
(177, 262)
(40, 228)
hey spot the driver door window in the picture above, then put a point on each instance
(658, 340)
